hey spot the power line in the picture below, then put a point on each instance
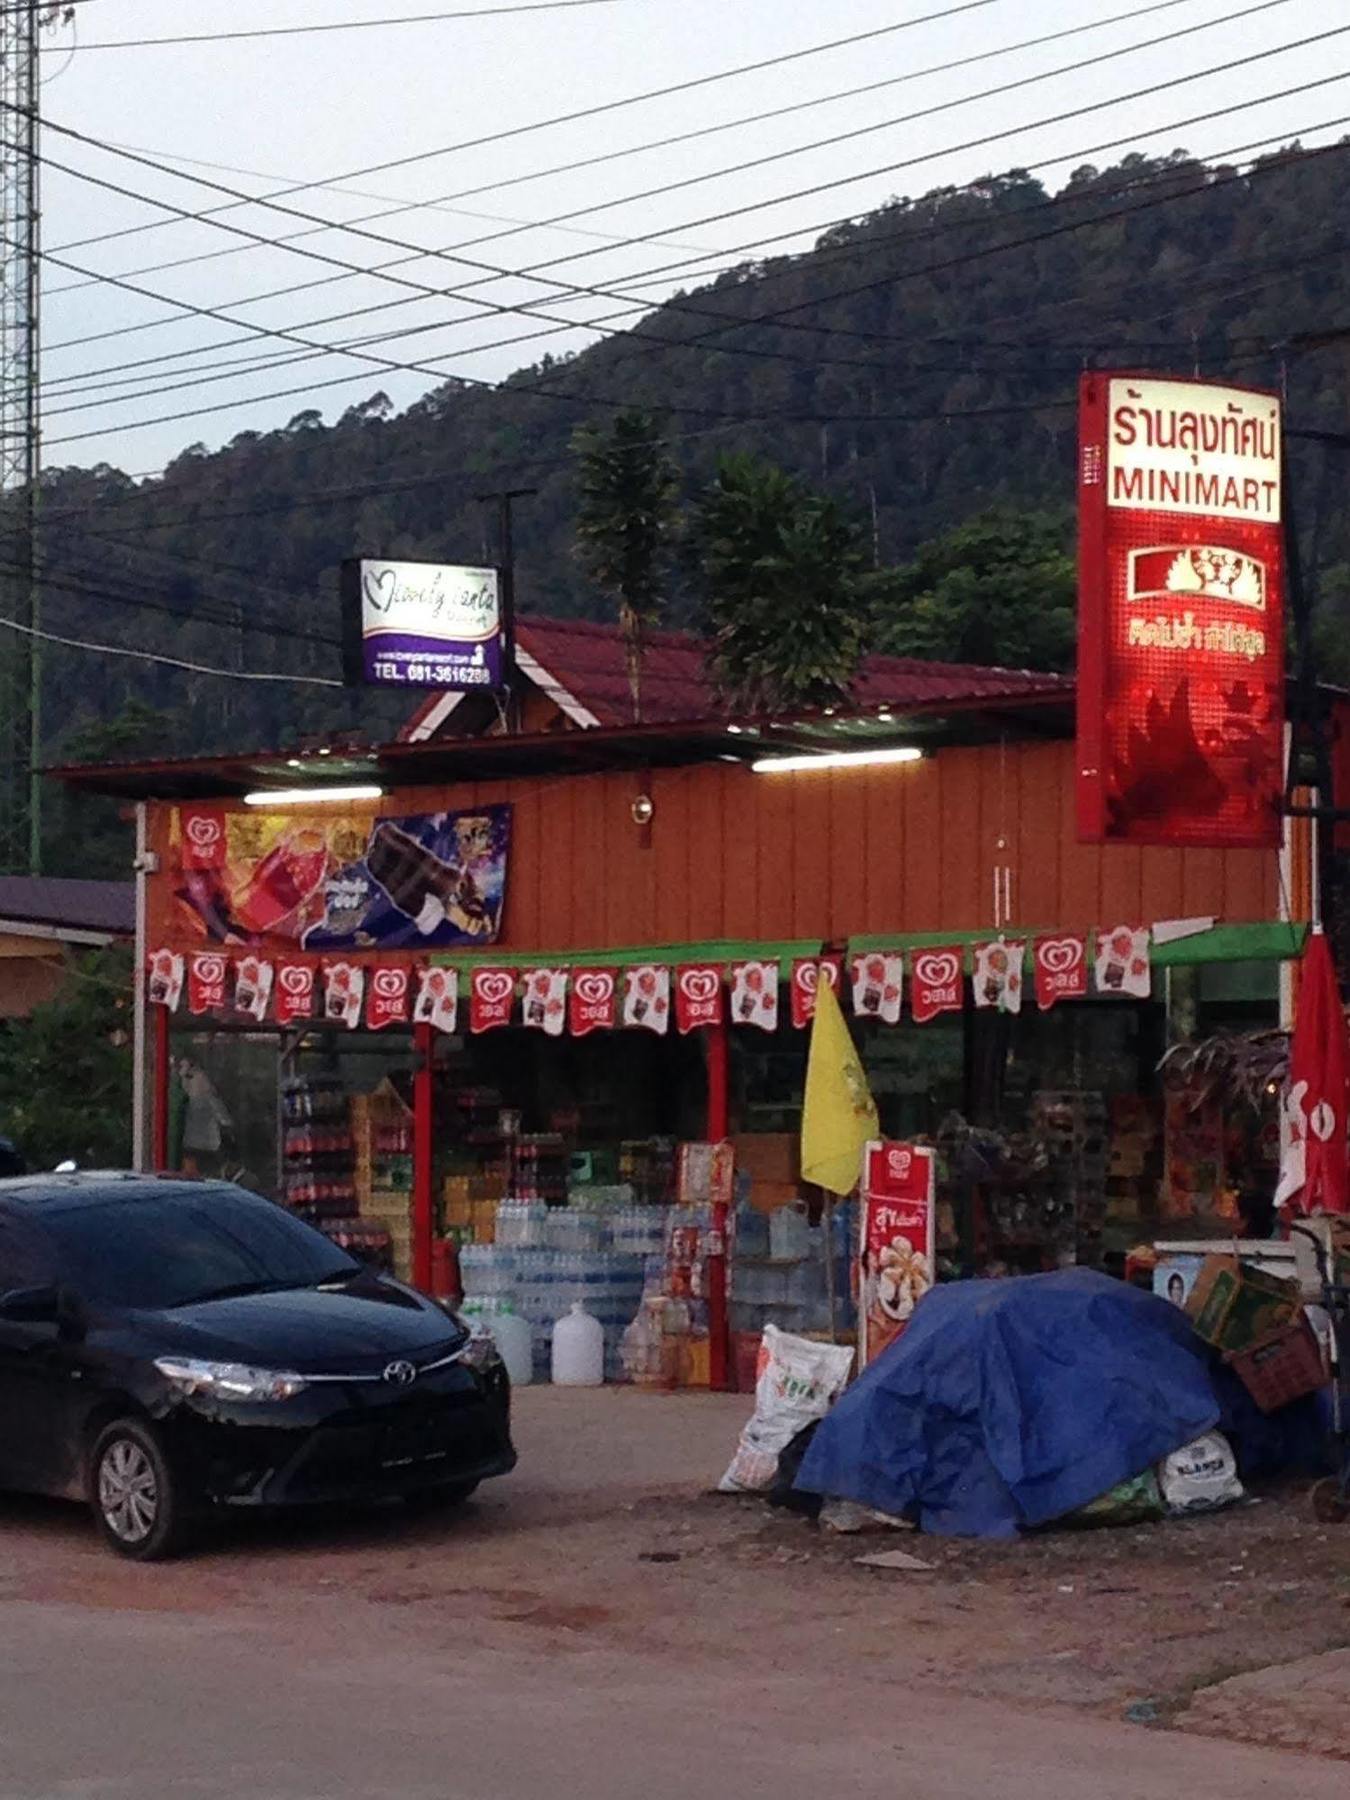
(171, 662)
(442, 201)
(330, 25)
(515, 385)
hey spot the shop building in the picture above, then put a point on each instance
(614, 929)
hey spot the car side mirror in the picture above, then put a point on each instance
(32, 1306)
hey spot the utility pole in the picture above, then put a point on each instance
(21, 22)
(506, 567)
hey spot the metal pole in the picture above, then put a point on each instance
(140, 1147)
(506, 568)
(423, 1200)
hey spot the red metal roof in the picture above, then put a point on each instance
(585, 659)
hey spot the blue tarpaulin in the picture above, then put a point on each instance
(1007, 1404)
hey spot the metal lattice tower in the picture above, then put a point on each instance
(20, 668)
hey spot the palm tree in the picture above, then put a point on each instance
(626, 522)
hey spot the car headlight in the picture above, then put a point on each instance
(229, 1381)
(481, 1351)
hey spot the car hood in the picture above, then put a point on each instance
(308, 1330)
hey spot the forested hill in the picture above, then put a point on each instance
(919, 362)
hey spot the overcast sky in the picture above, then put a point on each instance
(317, 109)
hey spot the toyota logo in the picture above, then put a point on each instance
(399, 1374)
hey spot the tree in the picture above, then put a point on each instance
(999, 589)
(787, 596)
(65, 1071)
(625, 523)
(86, 834)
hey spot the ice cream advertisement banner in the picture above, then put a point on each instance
(1061, 967)
(207, 975)
(998, 974)
(878, 982)
(936, 984)
(437, 1001)
(492, 995)
(1123, 962)
(253, 987)
(898, 1251)
(164, 986)
(545, 1006)
(698, 996)
(387, 995)
(646, 997)
(325, 883)
(344, 987)
(754, 994)
(807, 971)
(1180, 612)
(593, 1002)
(294, 991)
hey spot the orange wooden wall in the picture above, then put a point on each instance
(830, 854)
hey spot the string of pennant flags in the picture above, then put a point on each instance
(653, 996)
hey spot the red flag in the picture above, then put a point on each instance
(293, 995)
(1061, 969)
(806, 972)
(387, 997)
(208, 973)
(594, 1001)
(204, 843)
(936, 984)
(492, 994)
(1313, 1117)
(698, 996)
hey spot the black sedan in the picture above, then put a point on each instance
(172, 1347)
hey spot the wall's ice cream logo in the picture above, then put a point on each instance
(593, 1001)
(937, 986)
(698, 996)
(492, 994)
(387, 997)
(1061, 969)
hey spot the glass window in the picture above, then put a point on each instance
(25, 1260)
(172, 1246)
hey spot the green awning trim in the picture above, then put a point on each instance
(1265, 941)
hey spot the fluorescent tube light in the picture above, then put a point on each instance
(311, 796)
(835, 759)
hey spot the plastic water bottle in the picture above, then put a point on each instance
(578, 1349)
(515, 1343)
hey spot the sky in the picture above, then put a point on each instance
(479, 207)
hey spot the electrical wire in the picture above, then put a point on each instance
(441, 202)
(170, 662)
(331, 25)
(515, 385)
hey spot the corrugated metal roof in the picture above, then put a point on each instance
(586, 658)
(75, 905)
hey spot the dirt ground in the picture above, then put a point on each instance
(608, 1540)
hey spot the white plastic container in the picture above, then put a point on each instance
(514, 1341)
(578, 1349)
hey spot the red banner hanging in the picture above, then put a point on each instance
(208, 974)
(388, 993)
(1180, 613)
(699, 998)
(936, 982)
(294, 992)
(492, 995)
(806, 972)
(593, 1003)
(1061, 969)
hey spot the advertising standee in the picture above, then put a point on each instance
(898, 1248)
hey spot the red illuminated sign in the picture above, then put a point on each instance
(1180, 612)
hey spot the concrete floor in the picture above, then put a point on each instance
(593, 1627)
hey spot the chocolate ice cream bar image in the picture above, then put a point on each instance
(414, 878)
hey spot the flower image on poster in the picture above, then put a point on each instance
(806, 972)
(320, 882)
(899, 1240)
(387, 993)
(998, 974)
(253, 987)
(1122, 965)
(699, 997)
(646, 997)
(167, 969)
(754, 994)
(344, 986)
(593, 1002)
(545, 1000)
(294, 992)
(878, 985)
(437, 1001)
(936, 982)
(207, 975)
(1061, 966)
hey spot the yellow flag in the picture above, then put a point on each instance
(839, 1114)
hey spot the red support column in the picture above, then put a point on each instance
(159, 1142)
(423, 1208)
(719, 1334)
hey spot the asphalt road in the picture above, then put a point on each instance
(102, 1707)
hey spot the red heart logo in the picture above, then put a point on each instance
(595, 987)
(698, 984)
(297, 981)
(203, 831)
(937, 968)
(1060, 955)
(391, 984)
(493, 985)
(209, 969)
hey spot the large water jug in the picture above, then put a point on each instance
(514, 1341)
(578, 1349)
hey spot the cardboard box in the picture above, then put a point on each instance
(1236, 1307)
(769, 1156)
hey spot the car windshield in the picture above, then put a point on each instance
(180, 1246)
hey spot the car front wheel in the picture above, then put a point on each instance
(134, 1494)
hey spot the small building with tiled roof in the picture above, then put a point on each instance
(46, 920)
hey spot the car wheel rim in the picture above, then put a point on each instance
(128, 1493)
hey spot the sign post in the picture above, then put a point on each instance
(898, 1247)
(1180, 613)
(412, 624)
